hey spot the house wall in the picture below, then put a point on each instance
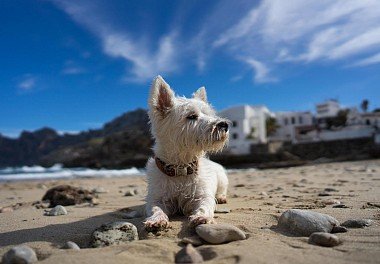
(243, 119)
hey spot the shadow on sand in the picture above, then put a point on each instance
(80, 231)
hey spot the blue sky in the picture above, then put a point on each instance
(73, 65)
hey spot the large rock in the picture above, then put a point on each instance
(114, 233)
(304, 223)
(219, 233)
(67, 195)
(19, 255)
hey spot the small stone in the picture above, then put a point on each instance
(304, 223)
(340, 206)
(263, 193)
(339, 229)
(357, 223)
(71, 245)
(324, 239)
(20, 255)
(99, 190)
(194, 240)
(40, 205)
(240, 185)
(6, 210)
(41, 186)
(58, 210)
(131, 215)
(131, 192)
(188, 254)
(94, 201)
(330, 190)
(222, 211)
(324, 194)
(331, 201)
(114, 233)
(219, 233)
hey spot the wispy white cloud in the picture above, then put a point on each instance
(27, 82)
(368, 61)
(267, 34)
(261, 71)
(295, 31)
(144, 61)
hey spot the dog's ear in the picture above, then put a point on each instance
(201, 94)
(161, 98)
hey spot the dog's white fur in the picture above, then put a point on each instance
(179, 140)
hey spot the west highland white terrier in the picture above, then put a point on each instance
(180, 177)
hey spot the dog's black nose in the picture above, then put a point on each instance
(222, 126)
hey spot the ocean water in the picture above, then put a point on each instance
(58, 172)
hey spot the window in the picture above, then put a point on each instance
(293, 120)
(286, 121)
(300, 119)
(368, 122)
(234, 123)
(235, 136)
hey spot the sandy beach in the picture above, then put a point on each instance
(256, 199)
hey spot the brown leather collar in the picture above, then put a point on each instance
(173, 170)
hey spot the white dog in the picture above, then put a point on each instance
(180, 178)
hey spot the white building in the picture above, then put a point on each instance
(248, 126)
(291, 125)
(328, 108)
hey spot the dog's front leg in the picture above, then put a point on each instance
(203, 212)
(157, 219)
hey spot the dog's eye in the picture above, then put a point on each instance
(192, 117)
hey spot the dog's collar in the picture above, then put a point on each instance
(173, 170)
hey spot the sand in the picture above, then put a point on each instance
(255, 212)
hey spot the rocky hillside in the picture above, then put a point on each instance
(121, 142)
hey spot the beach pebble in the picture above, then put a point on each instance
(20, 255)
(219, 233)
(6, 210)
(188, 254)
(194, 240)
(71, 245)
(330, 190)
(131, 192)
(340, 206)
(41, 186)
(331, 201)
(114, 233)
(99, 190)
(240, 185)
(304, 223)
(324, 239)
(324, 194)
(263, 193)
(357, 223)
(339, 229)
(58, 210)
(222, 211)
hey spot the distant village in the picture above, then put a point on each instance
(256, 125)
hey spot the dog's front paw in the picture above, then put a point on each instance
(197, 220)
(222, 199)
(155, 224)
